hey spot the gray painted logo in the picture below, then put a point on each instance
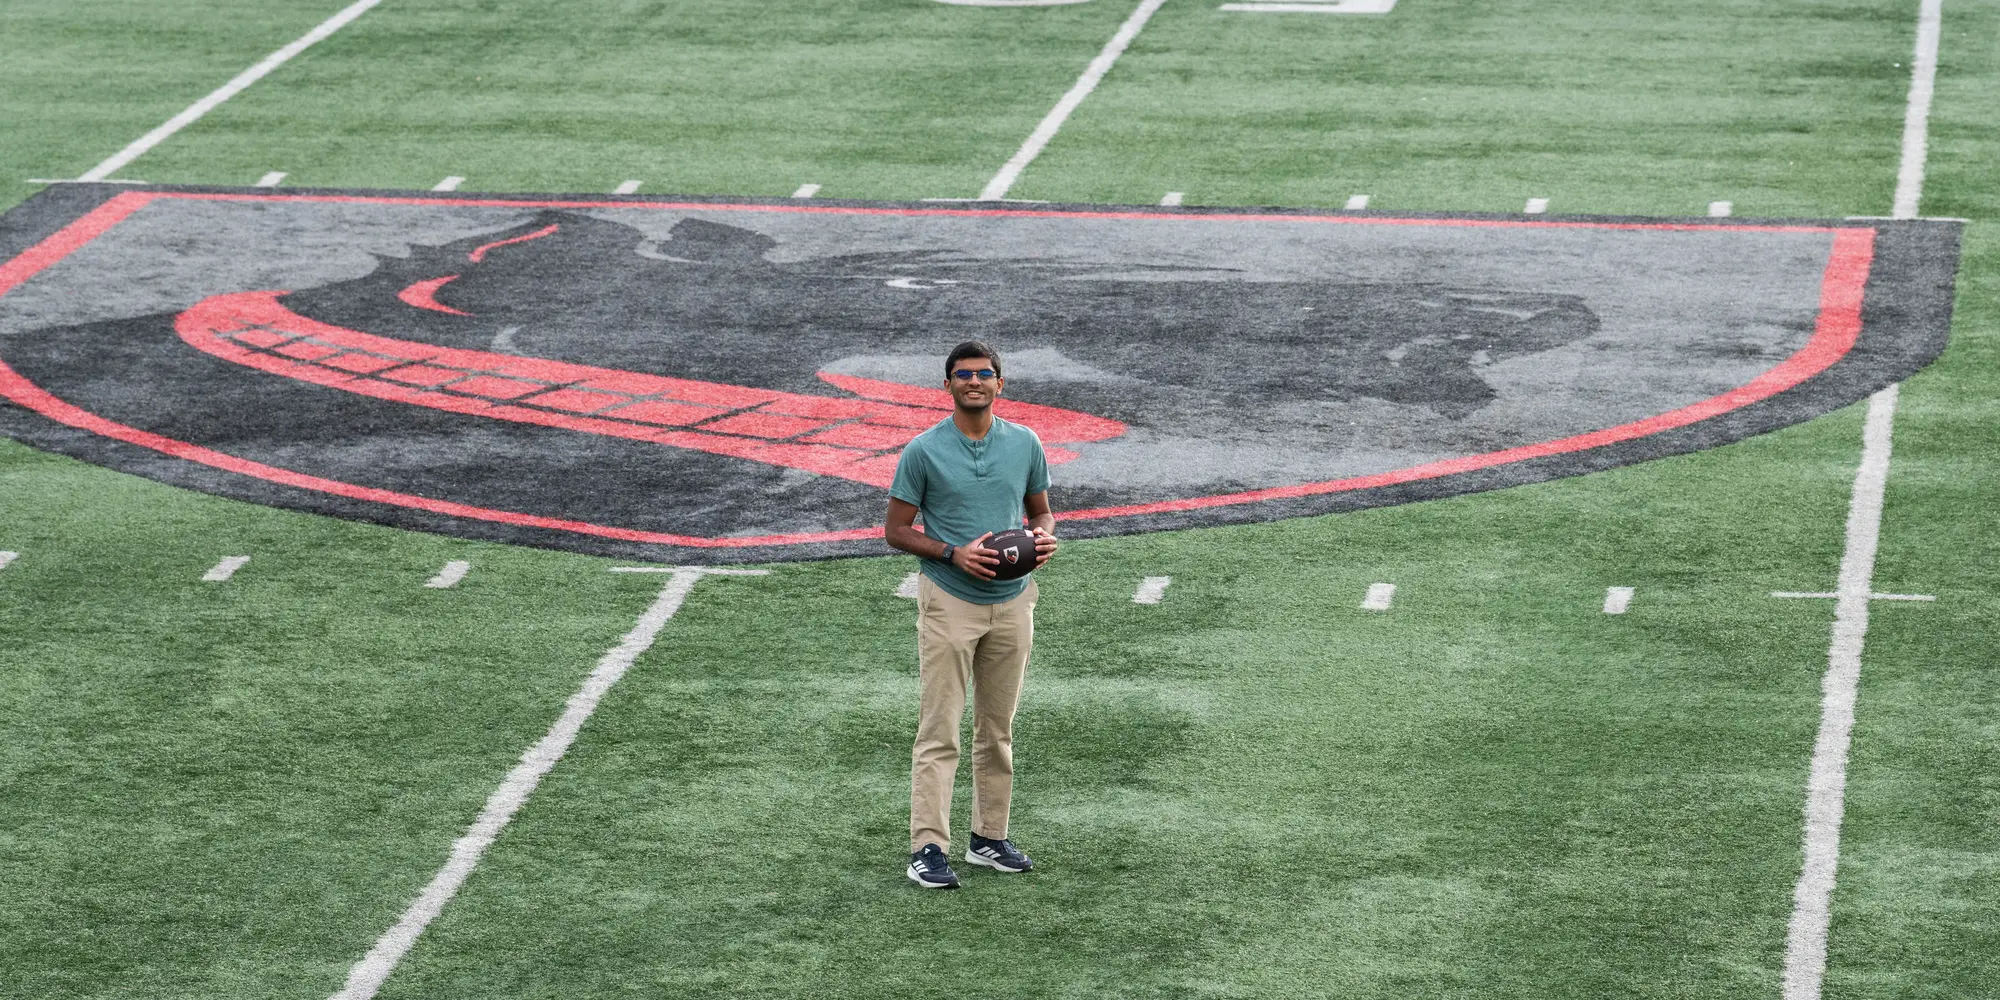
(723, 380)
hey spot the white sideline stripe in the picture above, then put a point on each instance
(368, 975)
(1356, 203)
(228, 90)
(271, 180)
(8, 557)
(627, 187)
(1917, 115)
(1617, 599)
(1536, 206)
(452, 572)
(1720, 209)
(806, 191)
(1826, 788)
(1379, 596)
(908, 587)
(996, 188)
(1151, 590)
(449, 184)
(1335, 7)
(1172, 198)
(225, 569)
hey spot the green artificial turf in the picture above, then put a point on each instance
(1254, 789)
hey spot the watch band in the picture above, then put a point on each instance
(950, 550)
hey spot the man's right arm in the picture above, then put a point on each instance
(900, 532)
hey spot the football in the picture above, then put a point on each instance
(1016, 549)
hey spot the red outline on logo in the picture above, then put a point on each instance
(1838, 326)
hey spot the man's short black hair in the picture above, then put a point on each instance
(971, 349)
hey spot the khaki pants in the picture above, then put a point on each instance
(985, 646)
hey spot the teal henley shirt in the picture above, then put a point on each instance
(966, 488)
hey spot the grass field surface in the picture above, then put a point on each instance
(1253, 789)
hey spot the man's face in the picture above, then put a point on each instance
(974, 393)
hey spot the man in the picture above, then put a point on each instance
(969, 476)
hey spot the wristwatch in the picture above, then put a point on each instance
(949, 551)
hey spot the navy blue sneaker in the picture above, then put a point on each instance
(999, 854)
(931, 869)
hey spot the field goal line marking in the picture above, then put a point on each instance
(368, 974)
(237, 85)
(997, 188)
(1826, 787)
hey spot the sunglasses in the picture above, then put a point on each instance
(967, 374)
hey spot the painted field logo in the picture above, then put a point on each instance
(722, 380)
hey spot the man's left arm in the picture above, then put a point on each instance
(1042, 522)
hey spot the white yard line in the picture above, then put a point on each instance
(1356, 203)
(997, 188)
(373, 970)
(908, 587)
(271, 180)
(1826, 788)
(1172, 198)
(1617, 599)
(1536, 206)
(1917, 114)
(195, 111)
(1872, 597)
(449, 576)
(8, 557)
(448, 184)
(1720, 209)
(806, 191)
(1379, 596)
(225, 569)
(1152, 590)
(628, 187)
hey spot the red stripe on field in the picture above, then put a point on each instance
(70, 238)
(479, 253)
(423, 295)
(1838, 326)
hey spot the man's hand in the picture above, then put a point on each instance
(976, 559)
(1045, 546)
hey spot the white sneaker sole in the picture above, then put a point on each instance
(976, 859)
(911, 872)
